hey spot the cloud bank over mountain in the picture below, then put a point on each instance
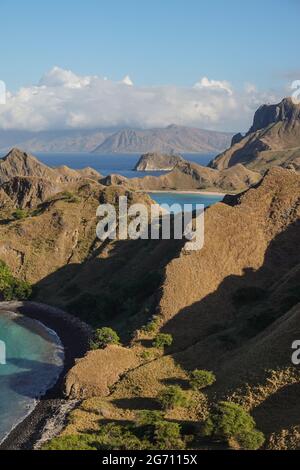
(65, 100)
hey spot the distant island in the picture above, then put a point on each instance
(173, 138)
(157, 162)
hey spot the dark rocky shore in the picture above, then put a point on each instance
(53, 406)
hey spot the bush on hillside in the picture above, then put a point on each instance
(12, 288)
(167, 436)
(201, 379)
(149, 417)
(20, 214)
(250, 440)
(162, 340)
(230, 421)
(70, 197)
(171, 397)
(104, 337)
(111, 436)
(153, 325)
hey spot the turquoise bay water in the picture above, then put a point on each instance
(34, 361)
(185, 198)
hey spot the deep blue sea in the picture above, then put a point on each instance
(122, 164)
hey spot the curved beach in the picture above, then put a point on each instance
(49, 414)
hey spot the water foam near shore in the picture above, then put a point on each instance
(34, 362)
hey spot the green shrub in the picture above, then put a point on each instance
(103, 337)
(171, 397)
(20, 214)
(12, 288)
(201, 379)
(167, 436)
(72, 442)
(147, 355)
(229, 420)
(162, 340)
(153, 325)
(115, 436)
(250, 440)
(70, 197)
(109, 437)
(149, 417)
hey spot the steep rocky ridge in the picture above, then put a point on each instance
(19, 163)
(191, 176)
(273, 140)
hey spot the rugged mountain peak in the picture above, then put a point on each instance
(271, 113)
(273, 140)
(19, 163)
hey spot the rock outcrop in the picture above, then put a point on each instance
(157, 161)
(273, 140)
(95, 374)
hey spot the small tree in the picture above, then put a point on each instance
(149, 417)
(103, 337)
(250, 440)
(162, 340)
(167, 436)
(10, 287)
(230, 421)
(171, 397)
(201, 379)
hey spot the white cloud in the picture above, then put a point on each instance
(63, 99)
(127, 80)
(214, 85)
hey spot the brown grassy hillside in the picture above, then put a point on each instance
(232, 308)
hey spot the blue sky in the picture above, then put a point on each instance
(155, 42)
(169, 45)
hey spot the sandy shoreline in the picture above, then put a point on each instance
(74, 336)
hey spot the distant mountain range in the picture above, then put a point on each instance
(54, 141)
(172, 139)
